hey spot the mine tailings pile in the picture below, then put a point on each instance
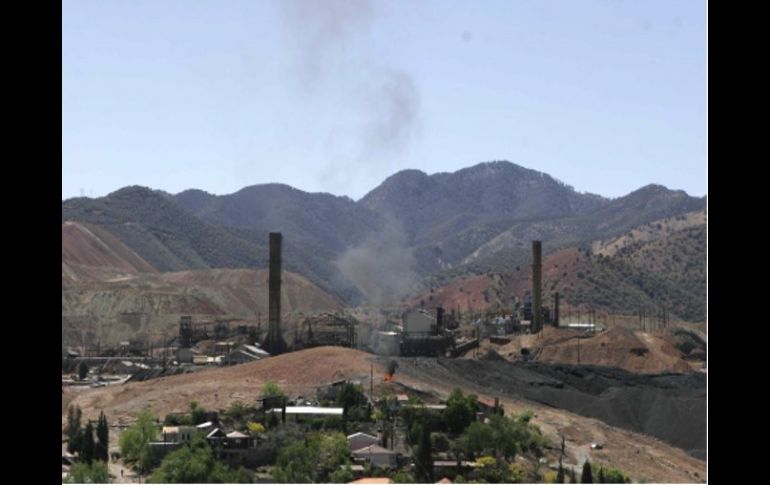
(670, 407)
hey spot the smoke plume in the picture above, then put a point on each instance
(382, 266)
(379, 115)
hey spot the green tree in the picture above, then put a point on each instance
(87, 444)
(476, 439)
(439, 441)
(195, 463)
(101, 452)
(96, 472)
(403, 477)
(271, 389)
(82, 370)
(343, 475)
(609, 474)
(296, 463)
(423, 457)
(72, 430)
(586, 476)
(134, 442)
(237, 411)
(491, 470)
(198, 413)
(332, 451)
(460, 411)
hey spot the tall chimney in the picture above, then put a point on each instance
(537, 268)
(274, 342)
(439, 319)
(556, 309)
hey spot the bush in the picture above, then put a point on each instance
(96, 472)
(271, 389)
(195, 463)
(256, 428)
(82, 370)
(403, 477)
(516, 473)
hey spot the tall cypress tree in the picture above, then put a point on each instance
(73, 428)
(103, 439)
(586, 477)
(87, 448)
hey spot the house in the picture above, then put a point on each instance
(178, 434)
(377, 456)
(359, 440)
(243, 354)
(205, 428)
(236, 448)
(161, 448)
(330, 391)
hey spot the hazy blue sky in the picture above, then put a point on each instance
(334, 96)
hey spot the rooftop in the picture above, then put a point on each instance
(309, 410)
(373, 449)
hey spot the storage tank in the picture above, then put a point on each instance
(389, 343)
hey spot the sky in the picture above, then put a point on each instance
(337, 95)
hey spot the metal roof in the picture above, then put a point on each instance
(309, 410)
(373, 449)
(360, 433)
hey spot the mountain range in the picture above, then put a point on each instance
(412, 232)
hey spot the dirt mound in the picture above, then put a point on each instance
(98, 307)
(618, 347)
(298, 373)
(669, 407)
(84, 246)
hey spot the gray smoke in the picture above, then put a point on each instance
(395, 106)
(335, 49)
(382, 266)
(324, 32)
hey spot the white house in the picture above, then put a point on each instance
(359, 440)
(377, 456)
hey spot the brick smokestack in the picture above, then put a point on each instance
(274, 342)
(537, 276)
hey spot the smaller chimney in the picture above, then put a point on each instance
(556, 309)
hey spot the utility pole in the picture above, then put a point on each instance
(578, 343)
(371, 383)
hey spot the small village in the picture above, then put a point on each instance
(343, 434)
